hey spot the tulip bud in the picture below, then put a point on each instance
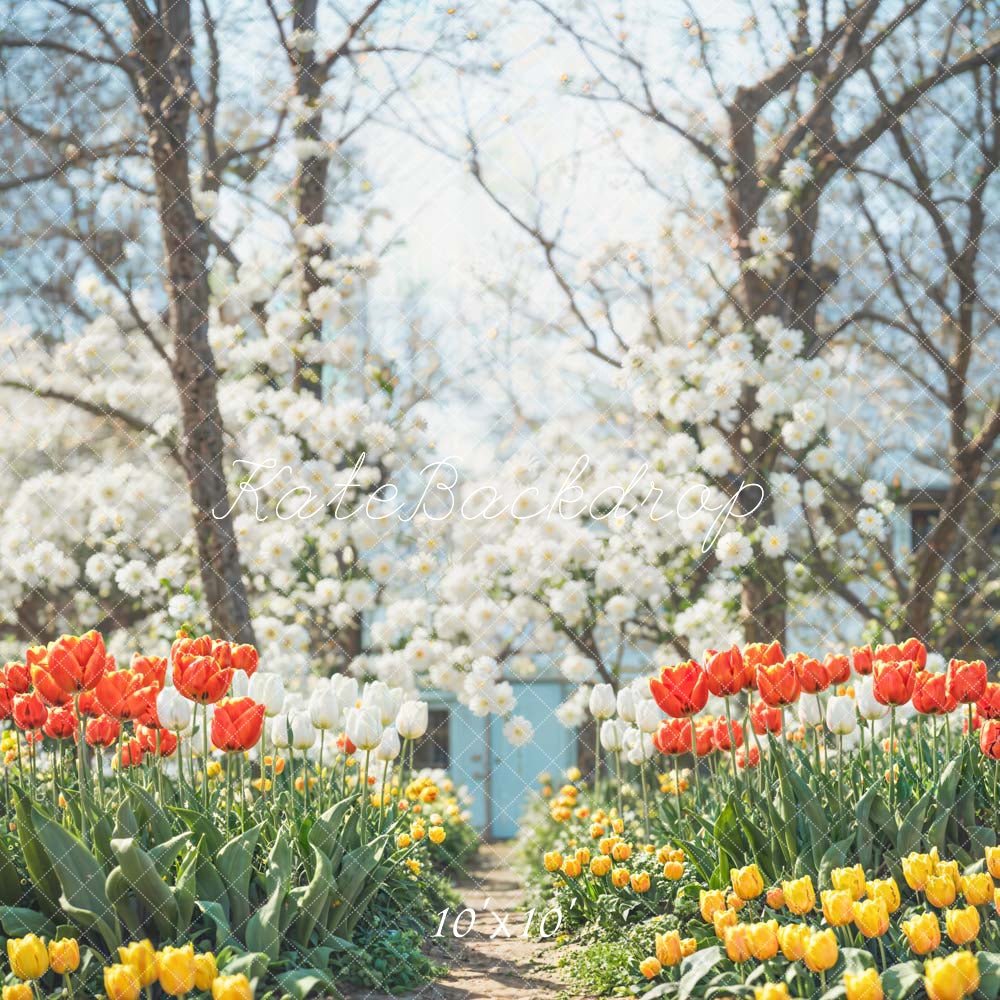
(389, 746)
(411, 720)
(602, 701)
(613, 735)
(121, 983)
(809, 711)
(841, 717)
(648, 717)
(868, 708)
(364, 728)
(303, 731)
(173, 710)
(626, 703)
(267, 689)
(29, 958)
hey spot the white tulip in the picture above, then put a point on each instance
(809, 710)
(868, 708)
(602, 701)
(841, 716)
(279, 731)
(613, 735)
(324, 708)
(173, 710)
(303, 731)
(346, 689)
(388, 747)
(267, 689)
(383, 700)
(411, 720)
(240, 685)
(364, 728)
(642, 749)
(648, 716)
(626, 704)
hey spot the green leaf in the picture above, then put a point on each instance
(82, 880)
(163, 855)
(912, 827)
(43, 876)
(989, 974)
(299, 983)
(217, 917)
(316, 897)
(835, 857)
(901, 980)
(695, 967)
(235, 864)
(19, 920)
(147, 884)
(251, 963)
(12, 891)
(263, 932)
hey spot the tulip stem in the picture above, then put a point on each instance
(732, 740)
(618, 782)
(364, 794)
(677, 790)
(381, 800)
(996, 801)
(69, 985)
(204, 752)
(947, 736)
(645, 797)
(840, 766)
(892, 758)
(229, 789)
(694, 765)
(319, 768)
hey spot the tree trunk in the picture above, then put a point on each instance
(164, 45)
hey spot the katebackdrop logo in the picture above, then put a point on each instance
(440, 498)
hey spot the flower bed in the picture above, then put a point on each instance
(294, 847)
(851, 855)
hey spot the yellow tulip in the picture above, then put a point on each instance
(977, 889)
(600, 866)
(606, 844)
(923, 933)
(621, 851)
(141, 956)
(640, 881)
(771, 991)
(650, 967)
(673, 870)
(722, 921)
(851, 879)
(775, 897)
(763, 939)
(620, 877)
(437, 834)
(821, 951)
(950, 870)
(232, 988)
(572, 867)
(583, 856)
(688, 946)
(838, 907)
(121, 983)
(871, 917)
(553, 861)
(952, 977)
(887, 891)
(748, 883)
(710, 902)
(993, 861)
(940, 891)
(29, 958)
(793, 938)
(737, 943)
(962, 925)
(733, 902)
(175, 968)
(917, 869)
(403, 841)
(863, 985)
(205, 971)
(668, 949)
(64, 955)
(18, 991)
(800, 897)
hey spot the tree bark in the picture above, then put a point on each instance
(164, 46)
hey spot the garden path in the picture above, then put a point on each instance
(486, 967)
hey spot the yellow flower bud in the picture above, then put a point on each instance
(722, 920)
(923, 933)
(800, 897)
(673, 870)
(977, 889)
(688, 946)
(993, 861)
(205, 971)
(669, 950)
(962, 925)
(232, 988)
(650, 967)
(886, 890)
(737, 943)
(748, 883)
(121, 983)
(838, 906)
(141, 956)
(793, 939)
(572, 868)
(620, 878)
(64, 955)
(952, 977)
(18, 991)
(851, 879)
(710, 902)
(29, 958)
(771, 991)
(621, 851)
(940, 890)
(403, 841)
(917, 869)
(950, 870)
(821, 951)
(552, 861)
(863, 985)
(640, 881)
(175, 969)
(436, 834)
(763, 938)
(775, 897)
(871, 917)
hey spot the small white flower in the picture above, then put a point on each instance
(733, 549)
(774, 542)
(873, 492)
(870, 522)
(518, 731)
(762, 239)
(795, 173)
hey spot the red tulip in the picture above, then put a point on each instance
(704, 737)
(673, 737)
(29, 711)
(75, 663)
(159, 742)
(680, 691)
(245, 658)
(153, 668)
(812, 674)
(778, 684)
(237, 724)
(764, 718)
(200, 679)
(862, 658)
(131, 755)
(17, 676)
(838, 668)
(102, 731)
(721, 734)
(966, 681)
(725, 672)
(345, 746)
(894, 681)
(930, 694)
(126, 694)
(6, 700)
(761, 654)
(742, 757)
(989, 739)
(89, 705)
(989, 705)
(61, 723)
(912, 650)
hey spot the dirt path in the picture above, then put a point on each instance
(486, 963)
